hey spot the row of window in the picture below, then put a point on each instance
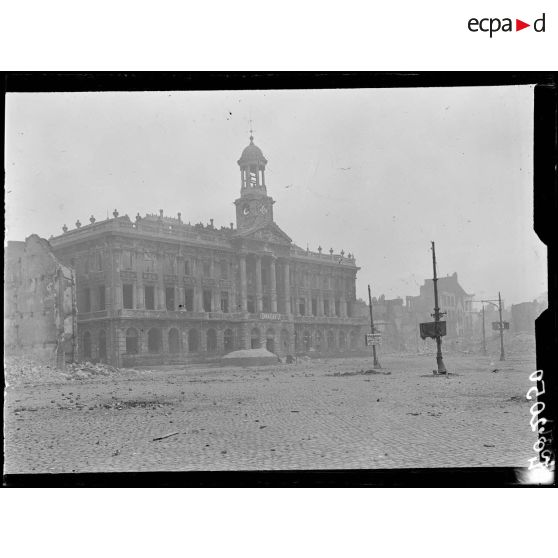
(306, 341)
(94, 262)
(170, 299)
(95, 299)
(170, 265)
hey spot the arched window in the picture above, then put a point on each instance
(87, 344)
(102, 346)
(307, 340)
(270, 340)
(284, 340)
(174, 341)
(193, 341)
(255, 342)
(211, 340)
(354, 339)
(229, 340)
(131, 341)
(342, 340)
(330, 340)
(154, 344)
(319, 339)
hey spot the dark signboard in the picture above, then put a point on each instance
(429, 329)
(496, 325)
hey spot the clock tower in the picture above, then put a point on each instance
(254, 208)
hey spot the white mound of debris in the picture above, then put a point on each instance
(250, 357)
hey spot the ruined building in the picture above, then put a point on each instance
(453, 299)
(155, 289)
(40, 314)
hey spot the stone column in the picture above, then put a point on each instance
(320, 304)
(258, 284)
(181, 300)
(243, 284)
(287, 281)
(273, 283)
(160, 287)
(343, 304)
(139, 301)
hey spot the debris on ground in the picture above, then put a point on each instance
(165, 436)
(21, 369)
(360, 373)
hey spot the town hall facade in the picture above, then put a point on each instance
(158, 290)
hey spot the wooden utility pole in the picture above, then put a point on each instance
(502, 356)
(437, 315)
(483, 333)
(376, 361)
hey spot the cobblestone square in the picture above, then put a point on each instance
(315, 414)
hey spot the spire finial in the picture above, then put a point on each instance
(251, 132)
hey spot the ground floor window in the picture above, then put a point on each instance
(255, 342)
(131, 341)
(229, 340)
(174, 341)
(330, 340)
(270, 340)
(307, 340)
(154, 340)
(193, 341)
(284, 340)
(211, 340)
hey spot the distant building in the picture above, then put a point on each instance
(40, 313)
(156, 289)
(523, 316)
(452, 299)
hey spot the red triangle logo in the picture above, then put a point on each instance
(519, 25)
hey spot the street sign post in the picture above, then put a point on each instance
(432, 330)
(372, 333)
(373, 339)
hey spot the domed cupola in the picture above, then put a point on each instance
(254, 208)
(252, 169)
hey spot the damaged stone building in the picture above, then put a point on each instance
(453, 299)
(155, 289)
(40, 313)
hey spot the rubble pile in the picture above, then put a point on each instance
(24, 370)
(86, 370)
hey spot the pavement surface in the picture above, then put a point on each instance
(318, 414)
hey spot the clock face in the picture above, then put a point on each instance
(246, 210)
(263, 209)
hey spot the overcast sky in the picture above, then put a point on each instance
(376, 172)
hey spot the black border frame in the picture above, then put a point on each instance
(545, 215)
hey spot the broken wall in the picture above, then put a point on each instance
(40, 313)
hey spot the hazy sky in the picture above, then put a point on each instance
(376, 172)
